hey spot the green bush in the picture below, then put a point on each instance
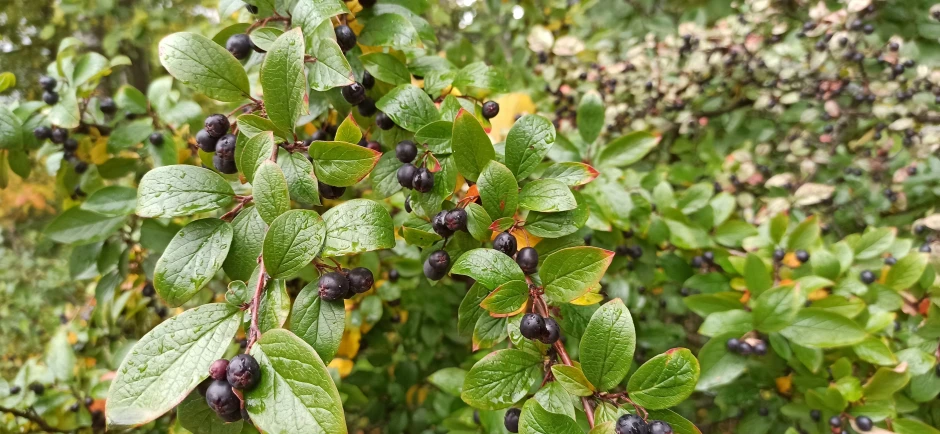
(723, 225)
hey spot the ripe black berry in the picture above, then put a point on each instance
(505, 243)
(709, 257)
(437, 264)
(864, 423)
(360, 279)
(354, 93)
(384, 122)
(329, 191)
(221, 398)
(156, 139)
(456, 219)
(47, 83)
(406, 175)
(239, 45)
(760, 348)
(891, 260)
(733, 345)
(511, 421)
(490, 109)
(815, 415)
(835, 421)
(697, 262)
(345, 37)
(393, 275)
(218, 370)
(423, 180)
(107, 106)
(42, 132)
(37, 388)
(225, 145)
(243, 372)
(368, 80)
(367, 107)
(660, 427)
(251, 8)
(802, 256)
(408, 204)
(80, 166)
(550, 332)
(333, 286)
(70, 145)
(50, 97)
(779, 254)
(406, 151)
(74, 407)
(439, 224)
(745, 349)
(224, 158)
(206, 142)
(867, 277)
(217, 125)
(15, 390)
(528, 259)
(924, 248)
(532, 326)
(631, 424)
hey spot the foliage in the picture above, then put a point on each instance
(726, 224)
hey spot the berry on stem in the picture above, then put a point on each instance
(42, 132)
(867, 277)
(456, 219)
(206, 142)
(532, 326)
(243, 372)
(384, 122)
(406, 151)
(329, 191)
(864, 423)
(802, 256)
(345, 37)
(631, 424)
(217, 125)
(222, 399)
(511, 420)
(505, 243)
(218, 369)
(528, 260)
(333, 286)
(423, 180)
(439, 224)
(490, 109)
(156, 139)
(360, 279)
(50, 97)
(47, 83)
(354, 94)
(406, 175)
(437, 264)
(660, 427)
(239, 45)
(551, 332)
(107, 106)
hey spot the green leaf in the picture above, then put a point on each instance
(527, 143)
(384, 176)
(554, 399)
(573, 380)
(507, 298)
(77, 226)
(263, 37)
(470, 311)
(818, 328)
(7, 80)
(255, 151)
(248, 236)
(500, 379)
(906, 272)
(342, 164)
(193, 257)
(590, 118)
(408, 106)
(568, 273)
(130, 99)
(275, 304)
(386, 67)
(472, 147)
(357, 226)
(557, 224)
(11, 130)
(449, 380)
(571, 174)
(488, 267)
(536, 420)
(130, 134)
(679, 424)
(205, 66)
(196, 416)
(885, 383)
(804, 235)
(293, 241)
(499, 192)
(181, 190)
(706, 304)
(480, 80)
(875, 242)
(478, 222)
(627, 149)
(283, 81)
(719, 366)
(298, 172)
(547, 195)
(436, 135)
(738, 321)
(665, 380)
(270, 191)
(911, 426)
(296, 392)
(309, 14)
(66, 113)
(331, 68)
(348, 131)
(389, 30)
(168, 362)
(607, 345)
(776, 309)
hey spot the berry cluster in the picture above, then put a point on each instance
(49, 95)
(745, 348)
(863, 423)
(409, 176)
(242, 373)
(215, 138)
(631, 424)
(60, 136)
(338, 285)
(444, 223)
(535, 327)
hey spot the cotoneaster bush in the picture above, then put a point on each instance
(307, 227)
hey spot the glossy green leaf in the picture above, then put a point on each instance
(590, 117)
(77, 226)
(573, 380)
(821, 329)
(537, 420)
(193, 257)
(607, 345)
(507, 298)
(386, 67)
(547, 195)
(906, 272)
(473, 149)
(499, 192)
(357, 226)
(409, 107)
(254, 152)
(284, 82)
(175, 191)
(389, 30)
(500, 379)
(665, 380)
(205, 66)
(270, 191)
(776, 309)
(342, 164)
(627, 149)
(569, 273)
(248, 236)
(488, 267)
(528, 141)
(571, 174)
(293, 241)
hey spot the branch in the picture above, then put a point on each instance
(32, 417)
(241, 204)
(254, 332)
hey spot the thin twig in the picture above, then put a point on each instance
(32, 417)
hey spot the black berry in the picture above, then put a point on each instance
(660, 427)
(368, 80)
(456, 219)
(107, 106)
(891, 260)
(864, 423)
(345, 37)
(631, 424)
(779, 254)
(551, 332)
(408, 204)
(528, 259)
(224, 158)
(532, 326)
(333, 286)
(42, 132)
(360, 279)
(393, 275)
(74, 407)
(815, 415)
(760, 348)
(802, 256)
(511, 421)
(156, 139)
(148, 290)
(221, 398)
(354, 93)
(733, 344)
(15, 390)
(205, 141)
(924, 248)
(505, 243)
(367, 107)
(490, 109)
(835, 421)
(243, 372)
(239, 45)
(697, 262)
(437, 264)
(867, 277)
(80, 166)
(50, 97)
(406, 175)
(423, 180)
(70, 145)
(745, 349)
(37, 388)
(218, 369)
(217, 125)
(406, 151)
(251, 8)
(383, 121)
(329, 191)
(439, 224)
(47, 83)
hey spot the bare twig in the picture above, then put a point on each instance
(242, 201)
(32, 417)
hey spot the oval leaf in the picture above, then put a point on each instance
(192, 258)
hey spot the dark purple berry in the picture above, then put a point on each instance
(490, 109)
(368, 80)
(406, 151)
(217, 125)
(631, 424)
(50, 97)
(333, 286)
(47, 83)
(660, 427)
(107, 106)
(437, 264)
(221, 398)
(456, 219)
(864, 423)
(367, 107)
(551, 332)
(243, 372)
(206, 142)
(406, 175)
(329, 191)
(511, 420)
(218, 369)
(156, 139)
(42, 132)
(505, 243)
(423, 180)
(360, 279)
(345, 37)
(239, 45)
(384, 122)
(439, 224)
(354, 93)
(867, 277)
(528, 259)
(532, 326)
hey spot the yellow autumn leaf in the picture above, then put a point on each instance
(343, 366)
